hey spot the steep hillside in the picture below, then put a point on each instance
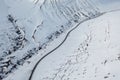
(28, 27)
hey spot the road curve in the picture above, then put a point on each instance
(34, 68)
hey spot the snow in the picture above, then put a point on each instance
(91, 52)
(44, 24)
(27, 25)
(75, 60)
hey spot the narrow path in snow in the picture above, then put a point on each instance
(34, 68)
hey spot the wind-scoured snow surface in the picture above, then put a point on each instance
(28, 27)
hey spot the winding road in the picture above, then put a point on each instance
(34, 68)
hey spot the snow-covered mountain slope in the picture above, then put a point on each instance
(91, 52)
(27, 26)
(94, 54)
